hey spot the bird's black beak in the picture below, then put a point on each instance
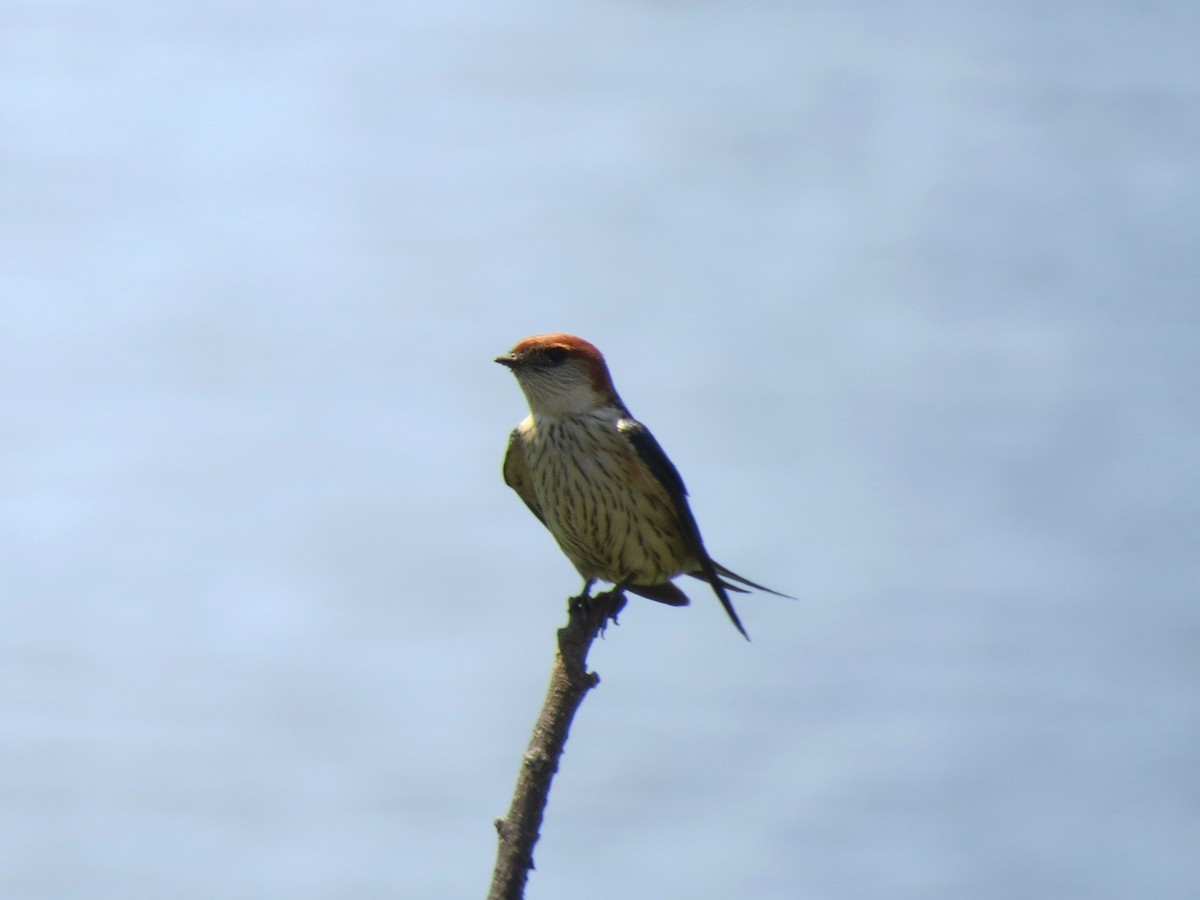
(508, 360)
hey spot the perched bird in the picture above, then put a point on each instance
(598, 480)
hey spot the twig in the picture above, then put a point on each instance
(569, 683)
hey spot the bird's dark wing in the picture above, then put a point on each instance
(664, 471)
(516, 475)
(664, 593)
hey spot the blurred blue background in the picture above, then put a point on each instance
(909, 291)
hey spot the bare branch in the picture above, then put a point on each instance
(569, 683)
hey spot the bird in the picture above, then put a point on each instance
(599, 481)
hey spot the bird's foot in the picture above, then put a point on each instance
(600, 608)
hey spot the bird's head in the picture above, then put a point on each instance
(561, 375)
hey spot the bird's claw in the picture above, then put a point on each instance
(604, 606)
(615, 600)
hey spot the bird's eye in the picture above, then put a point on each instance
(555, 355)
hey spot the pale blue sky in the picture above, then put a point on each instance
(909, 293)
